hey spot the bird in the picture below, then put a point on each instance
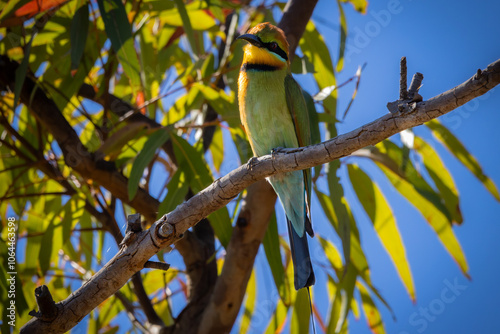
(274, 114)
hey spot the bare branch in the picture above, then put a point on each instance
(296, 15)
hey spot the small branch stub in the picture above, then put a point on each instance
(134, 223)
(403, 93)
(157, 265)
(133, 226)
(46, 305)
(165, 230)
(407, 98)
(416, 82)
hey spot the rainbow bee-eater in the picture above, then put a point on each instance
(274, 114)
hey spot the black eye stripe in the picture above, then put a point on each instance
(279, 51)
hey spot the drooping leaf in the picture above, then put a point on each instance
(460, 152)
(249, 304)
(196, 45)
(335, 305)
(45, 252)
(21, 71)
(358, 258)
(301, 313)
(384, 222)
(343, 37)
(177, 190)
(434, 216)
(273, 254)
(313, 46)
(346, 285)
(217, 148)
(115, 143)
(199, 19)
(301, 65)
(79, 29)
(158, 138)
(86, 242)
(119, 32)
(442, 178)
(393, 157)
(371, 311)
(359, 5)
(278, 319)
(191, 161)
(339, 205)
(332, 254)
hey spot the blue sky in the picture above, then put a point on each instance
(447, 42)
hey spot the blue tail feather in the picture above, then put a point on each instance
(302, 267)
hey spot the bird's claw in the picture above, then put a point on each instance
(252, 162)
(277, 150)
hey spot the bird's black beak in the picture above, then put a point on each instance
(252, 39)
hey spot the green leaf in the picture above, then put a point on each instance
(114, 144)
(434, 216)
(157, 139)
(273, 254)
(21, 71)
(249, 304)
(346, 284)
(332, 254)
(119, 32)
(78, 37)
(358, 258)
(217, 148)
(278, 319)
(177, 190)
(339, 206)
(393, 157)
(222, 103)
(442, 178)
(314, 48)
(382, 218)
(191, 161)
(186, 22)
(45, 252)
(314, 125)
(301, 313)
(371, 311)
(460, 152)
(86, 240)
(335, 305)
(359, 5)
(343, 37)
(301, 65)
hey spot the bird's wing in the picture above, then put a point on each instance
(300, 117)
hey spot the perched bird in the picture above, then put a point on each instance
(274, 114)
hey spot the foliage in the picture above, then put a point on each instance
(174, 62)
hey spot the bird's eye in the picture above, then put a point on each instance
(273, 45)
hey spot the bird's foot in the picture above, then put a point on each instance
(252, 162)
(285, 150)
(277, 150)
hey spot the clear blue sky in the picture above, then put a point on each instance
(447, 42)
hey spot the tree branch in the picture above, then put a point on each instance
(247, 236)
(172, 226)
